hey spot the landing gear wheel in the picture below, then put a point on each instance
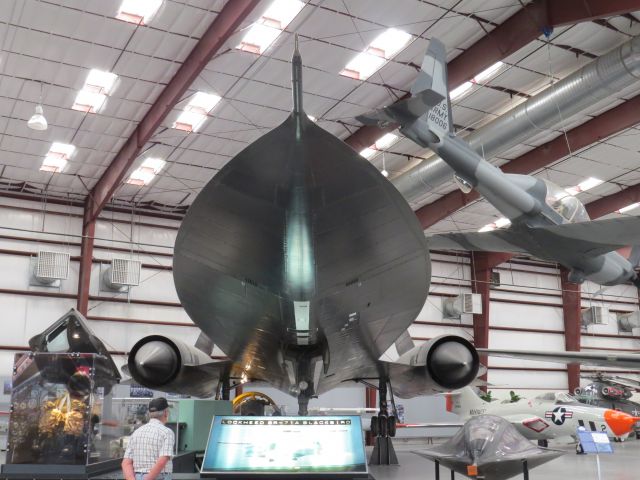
(391, 427)
(375, 426)
(637, 435)
(383, 421)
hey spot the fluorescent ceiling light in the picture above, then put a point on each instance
(488, 73)
(100, 81)
(138, 11)
(87, 101)
(268, 27)
(363, 65)
(202, 102)
(382, 143)
(390, 42)
(94, 93)
(460, 91)
(585, 185)
(283, 11)
(57, 157)
(144, 174)
(196, 111)
(377, 53)
(500, 223)
(629, 207)
(368, 152)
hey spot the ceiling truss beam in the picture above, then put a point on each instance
(507, 38)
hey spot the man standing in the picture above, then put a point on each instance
(148, 455)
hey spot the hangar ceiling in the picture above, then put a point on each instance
(50, 46)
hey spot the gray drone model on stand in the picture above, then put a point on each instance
(546, 220)
(489, 447)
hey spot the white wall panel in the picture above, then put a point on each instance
(540, 317)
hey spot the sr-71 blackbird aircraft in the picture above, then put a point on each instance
(304, 265)
(546, 221)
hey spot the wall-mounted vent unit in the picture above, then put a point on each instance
(463, 303)
(627, 322)
(595, 316)
(495, 280)
(48, 268)
(120, 275)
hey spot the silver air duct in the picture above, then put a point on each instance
(603, 77)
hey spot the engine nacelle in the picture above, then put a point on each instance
(170, 365)
(444, 363)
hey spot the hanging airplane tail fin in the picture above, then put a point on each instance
(429, 95)
(465, 402)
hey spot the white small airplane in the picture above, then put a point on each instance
(545, 417)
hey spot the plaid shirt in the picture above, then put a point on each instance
(148, 443)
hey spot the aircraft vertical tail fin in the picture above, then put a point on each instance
(433, 77)
(429, 96)
(463, 401)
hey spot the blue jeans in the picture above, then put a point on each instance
(162, 476)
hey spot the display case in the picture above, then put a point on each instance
(61, 414)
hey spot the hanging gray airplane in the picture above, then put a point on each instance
(304, 265)
(546, 221)
(488, 446)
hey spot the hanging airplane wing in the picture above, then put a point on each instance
(494, 241)
(600, 236)
(604, 358)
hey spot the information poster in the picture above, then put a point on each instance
(285, 444)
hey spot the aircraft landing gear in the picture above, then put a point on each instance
(543, 443)
(383, 428)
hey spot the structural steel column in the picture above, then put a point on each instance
(571, 313)
(482, 264)
(86, 261)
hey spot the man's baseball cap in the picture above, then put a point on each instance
(158, 404)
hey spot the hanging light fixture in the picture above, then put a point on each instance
(37, 120)
(384, 167)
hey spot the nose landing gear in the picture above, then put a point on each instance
(383, 428)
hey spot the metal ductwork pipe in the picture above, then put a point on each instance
(603, 77)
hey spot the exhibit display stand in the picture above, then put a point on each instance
(285, 447)
(58, 427)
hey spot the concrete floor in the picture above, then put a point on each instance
(624, 464)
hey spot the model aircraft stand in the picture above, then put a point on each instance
(525, 471)
(383, 428)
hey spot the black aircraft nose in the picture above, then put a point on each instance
(453, 364)
(155, 363)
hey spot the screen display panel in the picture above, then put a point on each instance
(595, 442)
(285, 445)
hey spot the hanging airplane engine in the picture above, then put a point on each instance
(444, 363)
(169, 365)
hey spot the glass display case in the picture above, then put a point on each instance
(61, 411)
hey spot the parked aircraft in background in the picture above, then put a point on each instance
(548, 416)
(304, 265)
(545, 220)
(488, 446)
(610, 391)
